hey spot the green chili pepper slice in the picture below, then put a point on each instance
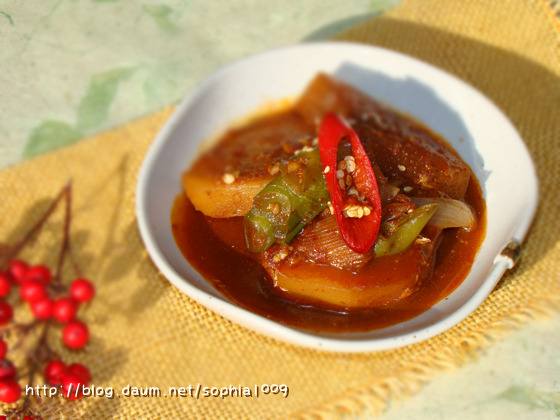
(288, 203)
(408, 229)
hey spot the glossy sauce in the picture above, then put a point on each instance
(215, 248)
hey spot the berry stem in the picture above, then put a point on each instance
(41, 353)
(18, 246)
(18, 328)
(65, 247)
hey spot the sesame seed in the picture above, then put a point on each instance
(279, 256)
(274, 169)
(378, 120)
(303, 150)
(274, 208)
(228, 178)
(331, 208)
(402, 168)
(293, 166)
(327, 169)
(356, 211)
(353, 212)
(315, 141)
(407, 188)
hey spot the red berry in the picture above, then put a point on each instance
(7, 371)
(40, 273)
(9, 392)
(82, 290)
(3, 349)
(70, 384)
(42, 308)
(55, 371)
(32, 290)
(5, 285)
(65, 309)
(17, 269)
(75, 334)
(80, 371)
(6, 312)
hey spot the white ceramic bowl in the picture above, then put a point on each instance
(481, 134)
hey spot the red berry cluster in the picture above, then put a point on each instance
(72, 378)
(49, 303)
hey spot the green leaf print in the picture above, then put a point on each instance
(94, 107)
(49, 135)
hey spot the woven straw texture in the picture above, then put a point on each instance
(147, 334)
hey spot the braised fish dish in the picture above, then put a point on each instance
(337, 214)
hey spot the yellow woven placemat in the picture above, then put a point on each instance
(147, 334)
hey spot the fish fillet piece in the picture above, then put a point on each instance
(224, 181)
(403, 157)
(326, 285)
(378, 282)
(398, 145)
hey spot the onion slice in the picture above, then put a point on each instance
(450, 213)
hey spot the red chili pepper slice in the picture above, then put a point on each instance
(359, 233)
